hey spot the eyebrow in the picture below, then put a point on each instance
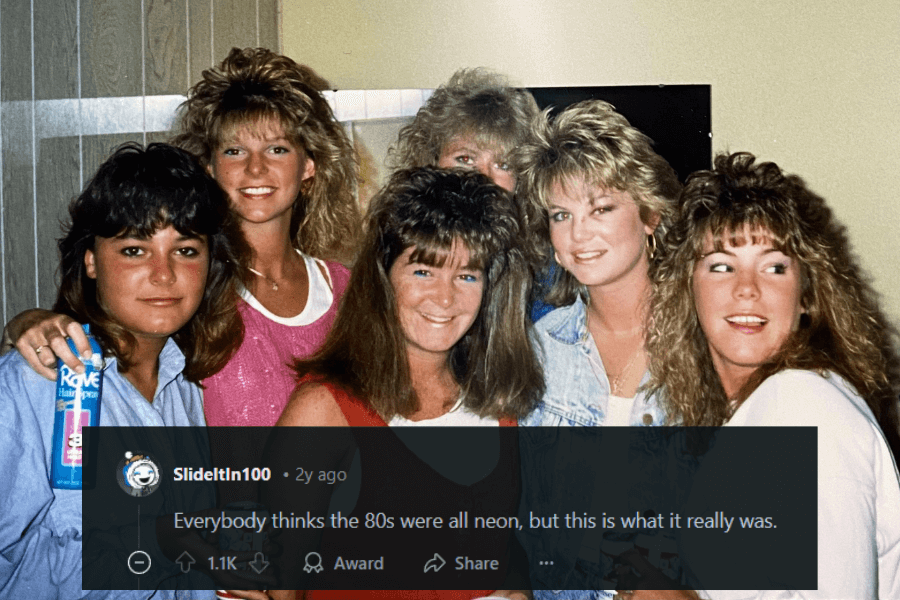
(136, 236)
(729, 253)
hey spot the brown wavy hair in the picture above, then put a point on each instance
(591, 140)
(138, 192)
(494, 362)
(253, 85)
(473, 101)
(843, 329)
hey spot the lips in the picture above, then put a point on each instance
(436, 320)
(257, 191)
(747, 323)
(588, 255)
(161, 302)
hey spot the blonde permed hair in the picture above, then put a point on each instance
(253, 85)
(843, 329)
(473, 102)
(591, 141)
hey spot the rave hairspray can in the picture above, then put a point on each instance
(77, 406)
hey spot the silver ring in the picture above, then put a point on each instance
(38, 349)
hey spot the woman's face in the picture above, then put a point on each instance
(436, 305)
(597, 233)
(150, 286)
(261, 171)
(748, 303)
(463, 151)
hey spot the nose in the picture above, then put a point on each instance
(581, 229)
(443, 293)
(162, 271)
(746, 285)
(256, 163)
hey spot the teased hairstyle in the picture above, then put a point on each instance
(138, 192)
(591, 141)
(254, 85)
(493, 362)
(473, 101)
(843, 329)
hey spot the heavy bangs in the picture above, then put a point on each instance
(144, 207)
(257, 116)
(436, 256)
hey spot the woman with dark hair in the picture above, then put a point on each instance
(432, 330)
(149, 261)
(761, 317)
(261, 127)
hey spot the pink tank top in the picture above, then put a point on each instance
(257, 382)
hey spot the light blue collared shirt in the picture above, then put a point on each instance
(40, 527)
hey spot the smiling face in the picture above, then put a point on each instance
(261, 171)
(463, 151)
(748, 303)
(150, 286)
(597, 233)
(436, 305)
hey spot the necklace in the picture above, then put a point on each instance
(617, 381)
(269, 279)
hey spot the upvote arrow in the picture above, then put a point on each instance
(185, 560)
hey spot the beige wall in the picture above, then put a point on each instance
(813, 85)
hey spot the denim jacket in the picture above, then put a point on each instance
(577, 394)
(577, 388)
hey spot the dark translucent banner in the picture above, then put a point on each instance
(450, 508)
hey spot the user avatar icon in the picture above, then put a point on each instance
(138, 474)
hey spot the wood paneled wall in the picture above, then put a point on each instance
(77, 78)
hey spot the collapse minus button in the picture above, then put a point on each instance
(139, 562)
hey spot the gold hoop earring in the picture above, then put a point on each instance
(651, 246)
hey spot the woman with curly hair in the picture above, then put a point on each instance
(474, 121)
(598, 199)
(261, 127)
(761, 317)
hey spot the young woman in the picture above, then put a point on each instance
(473, 122)
(599, 199)
(260, 126)
(432, 331)
(761, 317)
(149, 261)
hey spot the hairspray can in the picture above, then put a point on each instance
(77, 406)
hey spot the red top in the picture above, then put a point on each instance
(361, 414)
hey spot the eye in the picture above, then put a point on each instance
(231, 151)
(280, 150)
(465, 159)
(777, 268)
(599, 210)
(559, 216)
(132, 251)
(504, 166)
(189, 251)
(720, 268)
(421, 273)
(470, 277)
